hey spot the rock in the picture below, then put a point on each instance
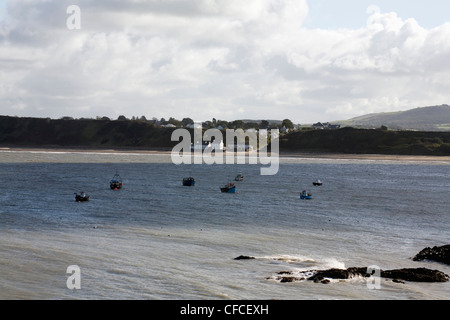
(284, 272)
(438, 254)
(398, 275)
(398, 281)
(416, 275)
(244, 258)
(338, 274)
(288, 279)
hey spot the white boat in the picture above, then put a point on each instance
(305, 195)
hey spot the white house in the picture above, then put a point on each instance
(217, 145)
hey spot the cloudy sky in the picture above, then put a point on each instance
(306, 60)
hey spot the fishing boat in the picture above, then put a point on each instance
(305, 195)
(229, 188)
(189, 182)
(317, 182)
(116, 182)
(239, 177)
(81, 197)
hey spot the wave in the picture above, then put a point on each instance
(299, 267)
(288, 258)
(300, 261)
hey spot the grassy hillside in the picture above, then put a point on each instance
(436, 118)
(365, 141)
(36, 132)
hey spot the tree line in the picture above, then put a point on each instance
(214, 123)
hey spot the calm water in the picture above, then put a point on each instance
(155, 239)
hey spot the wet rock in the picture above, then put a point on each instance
(416, 275)
(284, 272)
(398, 275)
(338, 274)
(438, 254)
(398, 281)
(288, 279)
(287, 276)
(244, 258)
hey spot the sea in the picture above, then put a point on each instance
(156, 239)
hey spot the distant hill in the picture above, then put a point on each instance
(436, 118)
(271, 122)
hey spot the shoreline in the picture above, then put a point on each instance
(282, 155)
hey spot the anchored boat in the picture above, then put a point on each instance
(305, 195)
(317, 182)
(116, 182)
(189, 182)
(81, 197)
(229, 188)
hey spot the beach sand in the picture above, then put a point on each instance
(282, 155)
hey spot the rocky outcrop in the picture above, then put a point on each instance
(320, 275)
(397, 275)
(416, 275)
(438, 254)
(244, 258)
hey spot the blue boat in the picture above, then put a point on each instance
(305, 195)
(189, 182)
(116, 182)
(229, 188)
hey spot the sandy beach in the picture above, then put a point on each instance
(365, 157)
(282, 155)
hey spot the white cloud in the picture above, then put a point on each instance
(214, 58)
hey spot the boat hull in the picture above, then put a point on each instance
(115, 185)
(79, 198)
(228, 190)
(189, 182)
(116, 182)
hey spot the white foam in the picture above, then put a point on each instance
(332, 263)
(289, 258)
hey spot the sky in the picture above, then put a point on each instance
(304, 60)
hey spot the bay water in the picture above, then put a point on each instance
(156, 239)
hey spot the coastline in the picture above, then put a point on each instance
(381, 157)
(282, 155)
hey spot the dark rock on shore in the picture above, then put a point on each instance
(398, 275)
(416, 275)
(438, 254)
(339, 274)
(244, 258)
